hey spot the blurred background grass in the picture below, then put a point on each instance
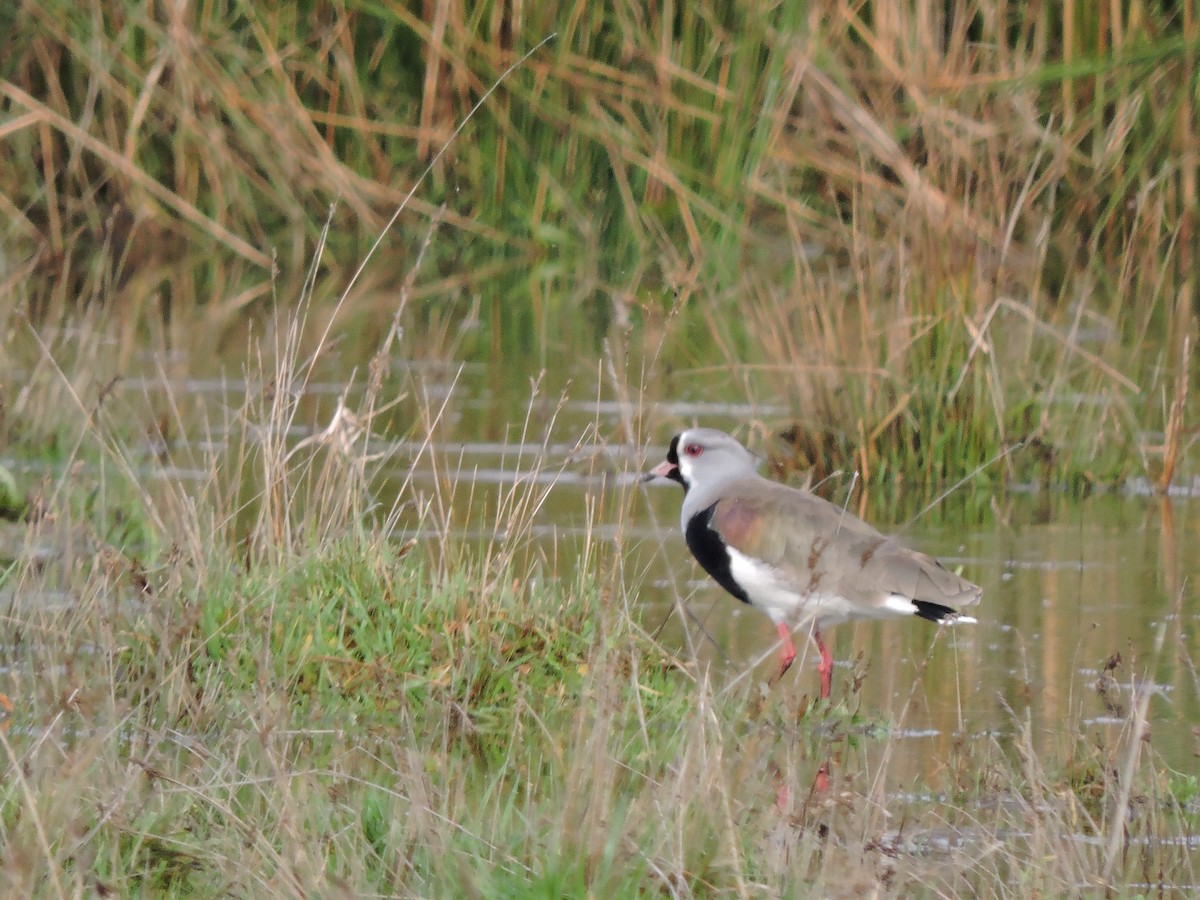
(979, 214)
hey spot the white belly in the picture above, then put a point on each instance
(772, 592)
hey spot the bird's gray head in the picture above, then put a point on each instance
(704, 457)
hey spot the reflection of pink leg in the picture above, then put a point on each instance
(787, 653)
(783, 795)
(826, 665)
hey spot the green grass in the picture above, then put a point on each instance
(355, 678)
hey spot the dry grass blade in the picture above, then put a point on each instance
(1176, 429)
(118, 161)
(1135, 741)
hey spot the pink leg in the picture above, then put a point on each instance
(826, 664)
(787, 652)
(821, 782)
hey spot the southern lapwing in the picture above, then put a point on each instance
(802, 560)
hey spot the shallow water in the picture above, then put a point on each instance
(1063, 600)
(1077, 592)
(1087, 603)
(1071, 586)
(1078, 595)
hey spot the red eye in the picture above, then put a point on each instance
(693, 449)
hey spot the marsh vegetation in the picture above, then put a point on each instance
(326, 582)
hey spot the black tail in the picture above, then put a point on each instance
(934, 612)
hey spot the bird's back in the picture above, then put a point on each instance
(819, 547)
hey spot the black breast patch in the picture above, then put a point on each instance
(708, 548)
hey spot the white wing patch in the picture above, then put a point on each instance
(960, 619)
(898, 605)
